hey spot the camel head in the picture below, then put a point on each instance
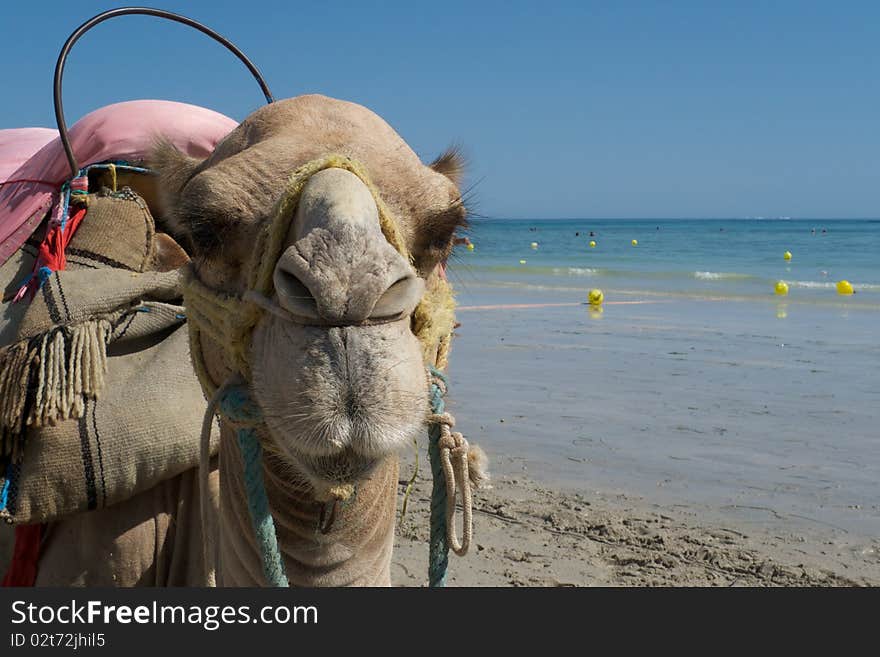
(334, 361)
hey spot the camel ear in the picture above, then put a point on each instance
(174, 170)
(451, 163)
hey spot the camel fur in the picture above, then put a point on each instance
(342, 386)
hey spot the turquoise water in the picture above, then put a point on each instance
(703, 387)
(729, 257)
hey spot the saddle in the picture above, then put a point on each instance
(98, 400)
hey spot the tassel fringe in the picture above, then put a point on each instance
(46, 379)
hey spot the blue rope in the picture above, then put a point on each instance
(43, 273)
(4, 493)
(237, 405)
(438, 551)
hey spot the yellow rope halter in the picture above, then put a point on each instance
(229, 319)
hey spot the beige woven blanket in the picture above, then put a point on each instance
(98, 400)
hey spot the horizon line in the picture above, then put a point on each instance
(691, 218)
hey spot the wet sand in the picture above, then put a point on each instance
(749, 424)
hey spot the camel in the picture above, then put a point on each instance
(333, 352)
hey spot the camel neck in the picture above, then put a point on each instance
(355, 551)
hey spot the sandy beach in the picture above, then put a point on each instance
(530, 535)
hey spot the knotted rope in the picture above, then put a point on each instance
(453, 447)
(448, 453)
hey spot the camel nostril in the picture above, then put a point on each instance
(400, 298)
(293, 295)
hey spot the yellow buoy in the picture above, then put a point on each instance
(470, 247)
(635, 242)
(787, 255)
(596, 297)
(781, 288)
(592, 244)
(534, 245)
(522, 262)
(845, 288)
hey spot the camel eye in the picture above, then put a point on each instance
(435, 234)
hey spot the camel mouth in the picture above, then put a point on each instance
(344, 467)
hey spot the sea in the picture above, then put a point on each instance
(690, 257)
(694, 383)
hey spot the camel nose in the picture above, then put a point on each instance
(339, 268)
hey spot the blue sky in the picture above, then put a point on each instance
(565, 109)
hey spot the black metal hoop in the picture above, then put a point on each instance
(125, 11)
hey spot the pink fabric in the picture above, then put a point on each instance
(19, 145)
(33, 165)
